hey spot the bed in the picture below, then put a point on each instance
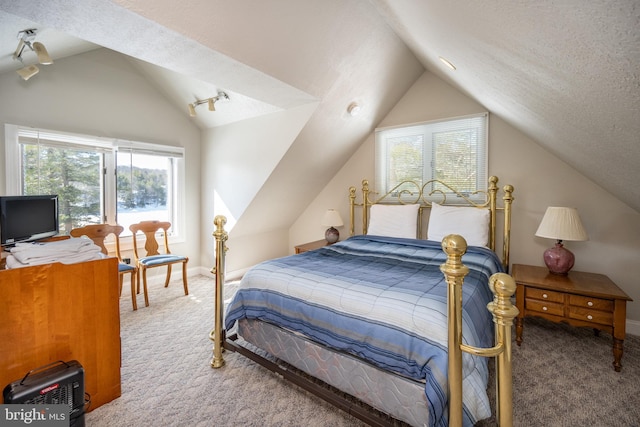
(373, 309)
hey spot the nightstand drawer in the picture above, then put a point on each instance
(544, 295)
(588, 315)
(554, 308)
(591, 303)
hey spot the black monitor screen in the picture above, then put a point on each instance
(27, 218)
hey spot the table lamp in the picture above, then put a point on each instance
(561, 224)
(332, 219)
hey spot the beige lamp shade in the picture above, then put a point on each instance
(332, 218)
(562, 224)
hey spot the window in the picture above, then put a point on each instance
(453, 151)
(96, 179)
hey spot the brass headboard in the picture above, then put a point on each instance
(436, 191)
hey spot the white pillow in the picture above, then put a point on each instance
(393, 220)
(469, 222)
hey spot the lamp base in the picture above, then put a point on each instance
(331, 235)
(559, 260)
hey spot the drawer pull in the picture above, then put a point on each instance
(590, 317)
(590, 303)
(544, 308)
(545, 296)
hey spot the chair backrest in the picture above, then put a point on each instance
(150, 229)
(98, 233)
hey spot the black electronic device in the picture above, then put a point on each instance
(27, 218)
(59, 383)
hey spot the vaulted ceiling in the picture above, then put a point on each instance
(567, 74)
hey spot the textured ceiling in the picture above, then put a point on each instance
(177, 86)
(567, 73)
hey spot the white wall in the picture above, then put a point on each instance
(539, 178)
(237, 159)
(100, 93)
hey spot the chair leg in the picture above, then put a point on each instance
(184, 278)
(144, 285)
(138, 281)
(133, 290)
(166, 282)
(121, 277)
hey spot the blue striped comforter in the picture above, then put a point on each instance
(384, 300)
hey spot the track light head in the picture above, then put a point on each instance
(212, 106)
(192, 110)
(27, 72)
(43, 55)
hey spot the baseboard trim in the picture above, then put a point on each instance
(633, 327)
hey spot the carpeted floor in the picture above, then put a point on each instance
(562, 376)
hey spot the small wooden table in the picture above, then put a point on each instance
(311, 246)
(578, 298)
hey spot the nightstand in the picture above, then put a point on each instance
(578, 298)
(311, 246)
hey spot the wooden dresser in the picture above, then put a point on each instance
(63, 312)
(580, 299)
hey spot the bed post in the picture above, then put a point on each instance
(506, 240)
(217, 335)
(365, 203)
(503, 287)
(352, 210)
(493, 191)
(454, 272)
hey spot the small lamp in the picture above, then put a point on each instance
(560, 224)
(332, 219)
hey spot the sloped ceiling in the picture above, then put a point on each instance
(567, 74)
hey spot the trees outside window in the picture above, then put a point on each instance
(97, 180)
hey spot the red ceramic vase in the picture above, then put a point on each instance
(558, 259)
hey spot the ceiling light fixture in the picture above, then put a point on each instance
(354, 109)
(209, 101)
(447, 63)
(25, 40)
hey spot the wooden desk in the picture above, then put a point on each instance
(63, 312)
(579, 299)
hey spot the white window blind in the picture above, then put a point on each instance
(453, 150)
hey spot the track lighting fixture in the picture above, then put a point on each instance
(209, 101)
(25, 40)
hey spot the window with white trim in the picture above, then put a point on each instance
(454, 151)
(96, 179)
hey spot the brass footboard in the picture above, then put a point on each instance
(502, 285)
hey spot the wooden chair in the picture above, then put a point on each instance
(98, 233)
(153, 257)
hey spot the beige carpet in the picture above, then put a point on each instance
(562, 375)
